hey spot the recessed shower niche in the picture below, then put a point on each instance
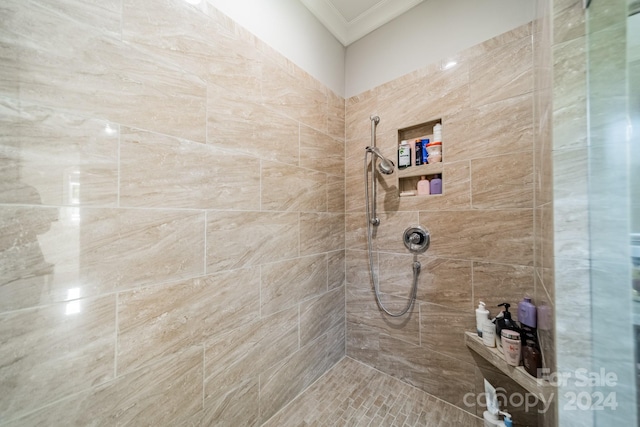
(408, 177)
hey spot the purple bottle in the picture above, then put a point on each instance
(436, 185)
(527, 313)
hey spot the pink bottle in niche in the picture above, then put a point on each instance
(423, 186)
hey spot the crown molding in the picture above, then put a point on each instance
(349, 31)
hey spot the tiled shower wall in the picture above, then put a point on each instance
(171, 214)
(482, 226)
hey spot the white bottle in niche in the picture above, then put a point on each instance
(482, 314)
(424, 188)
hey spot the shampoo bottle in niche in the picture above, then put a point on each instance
(404, 155)
(504, 322)
(482, 315)
(436, 185)
(423, 186)
(489, 333)
(418, 152)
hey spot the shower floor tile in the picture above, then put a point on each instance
(354, 394)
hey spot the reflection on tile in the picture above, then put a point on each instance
(240, 239)
(215, 179)
(321, 232)
(287, 283)
(502, 181)
(167, 392)
(102, 76)
(53, 351)
(160, 320)
(290, 188)
(55, 158)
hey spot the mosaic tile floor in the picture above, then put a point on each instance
(353, 394)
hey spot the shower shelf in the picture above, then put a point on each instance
(492, 355)
(407, 179)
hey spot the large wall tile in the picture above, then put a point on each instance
(321, 152)
(497, 235)
(321, 232)
(215, 179)
(160, 320)
(240, 355)
(446, 282)
(55, 158)
(501, 127)
(335, 194)
(287, 283)
(497, 283)
(50, 352)
(503, 181)
(250, 128)
(488, 79)
(169, 391)
(321, 314)
(238, 239)
(439, 327)
(336, 265)
(103, 77)
(290, 188)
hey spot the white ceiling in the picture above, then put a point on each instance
(349, 20)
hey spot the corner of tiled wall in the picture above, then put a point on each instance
(172, 206)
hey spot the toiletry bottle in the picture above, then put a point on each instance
(404, 155)
(490, 416)
(511, 346)
(507, 419)
(489, 333)
(418, 152)
(505, 322)
(437, 133)
(436, 185)
(424, 153)
(532, 359)
(527, 319)
(423, 187)
(482, 314)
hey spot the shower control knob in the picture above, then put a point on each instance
(417, 239)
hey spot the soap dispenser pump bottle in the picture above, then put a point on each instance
(482, 316)
(505, 322)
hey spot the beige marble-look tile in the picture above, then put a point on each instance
(282, 383)
(363, 311)
(287, 283)
(498, 235)
(54, 351)
(295, 94)
(335, 194)
(569, 21)
(167, 392)
(239, 355)
(237, 406)
(335, 115)
(50, 251)
(502, 73)
(442, 376)
(359, 109)
(160, 320)
(249, 127)
(497, 283)
(320, 314)
(446, 282)
(356, 231)
(439, 327)
(321, 152)
(215, 179)
(290, 188)
(321, 232)
(99, 15)
(78, 68)
(389, 234)
(242, 239)
(502, 181)
(62, 158)
(336, 264)
(491, 129)
(357, 267)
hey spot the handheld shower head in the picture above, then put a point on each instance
(385, 166)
